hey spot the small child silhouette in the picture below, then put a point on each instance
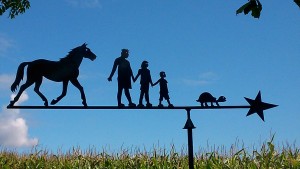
(144, 72)
(164, 92)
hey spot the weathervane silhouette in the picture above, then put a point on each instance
(206, 97)
(257, 106)
(67, 69)
(64, 70)
(145, 82)
(164, 92)
(124, 77)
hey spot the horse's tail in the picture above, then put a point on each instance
(19, 76)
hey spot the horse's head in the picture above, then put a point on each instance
(86, 52)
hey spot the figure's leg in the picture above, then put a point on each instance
(76, 83)
(160, 100)
(127, 94)
(22, 88)
(170, 104)
(37, 90)
(147, 99)
(167, 97)
(63, 93)
(168, 100)
(217, 104)
(119, 96)
(141, 99)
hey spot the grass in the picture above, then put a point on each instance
(265, 158)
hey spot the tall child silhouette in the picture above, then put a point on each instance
(164, 92)
(124, 77)
(144, 72)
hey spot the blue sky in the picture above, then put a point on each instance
(201, 45)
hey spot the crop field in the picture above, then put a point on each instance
(266, 157)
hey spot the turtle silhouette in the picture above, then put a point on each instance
(206, 97)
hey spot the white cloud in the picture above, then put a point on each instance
(5, 81)
(203, 79)
(5, 44)
(195, 82)
(23, 98)
(84, 3)
(209, 76)
(13, 128)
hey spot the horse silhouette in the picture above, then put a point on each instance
(64, 70)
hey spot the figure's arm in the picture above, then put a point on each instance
(150, 79)
(136, 77)
(155, 83)
(131, 74)
(113, 70)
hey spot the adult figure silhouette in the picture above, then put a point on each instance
(124, 77)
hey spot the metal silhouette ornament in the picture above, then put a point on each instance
(124, 77)
(64, 70)
(206, 97)
(145, 82)
(257, 106)
(67, 70)
(164, 92)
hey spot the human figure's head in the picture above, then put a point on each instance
(144, 64)
(125, 53)
(162, 74)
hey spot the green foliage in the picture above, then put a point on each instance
(264, 158)
(15, 7)
(297, 2)
(253, 5)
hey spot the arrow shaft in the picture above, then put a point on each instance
(131, 108)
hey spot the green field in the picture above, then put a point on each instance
(266, 157)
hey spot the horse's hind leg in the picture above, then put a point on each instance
(22, 88)
(37, 90)
(63, 94)
(77, 84)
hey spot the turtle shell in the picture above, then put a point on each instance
(206, 97)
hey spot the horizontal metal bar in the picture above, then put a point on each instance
(131, 108)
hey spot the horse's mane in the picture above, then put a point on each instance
(70, 54)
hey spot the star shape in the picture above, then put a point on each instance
(257, 106)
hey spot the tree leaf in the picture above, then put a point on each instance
(255, 13)
(256, 10)
(15, 7)
(254, 6)
(297, 2)
(242, 8)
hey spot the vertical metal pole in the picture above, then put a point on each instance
(190, 126)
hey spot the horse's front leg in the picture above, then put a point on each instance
(63, 93)
(76, 83)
